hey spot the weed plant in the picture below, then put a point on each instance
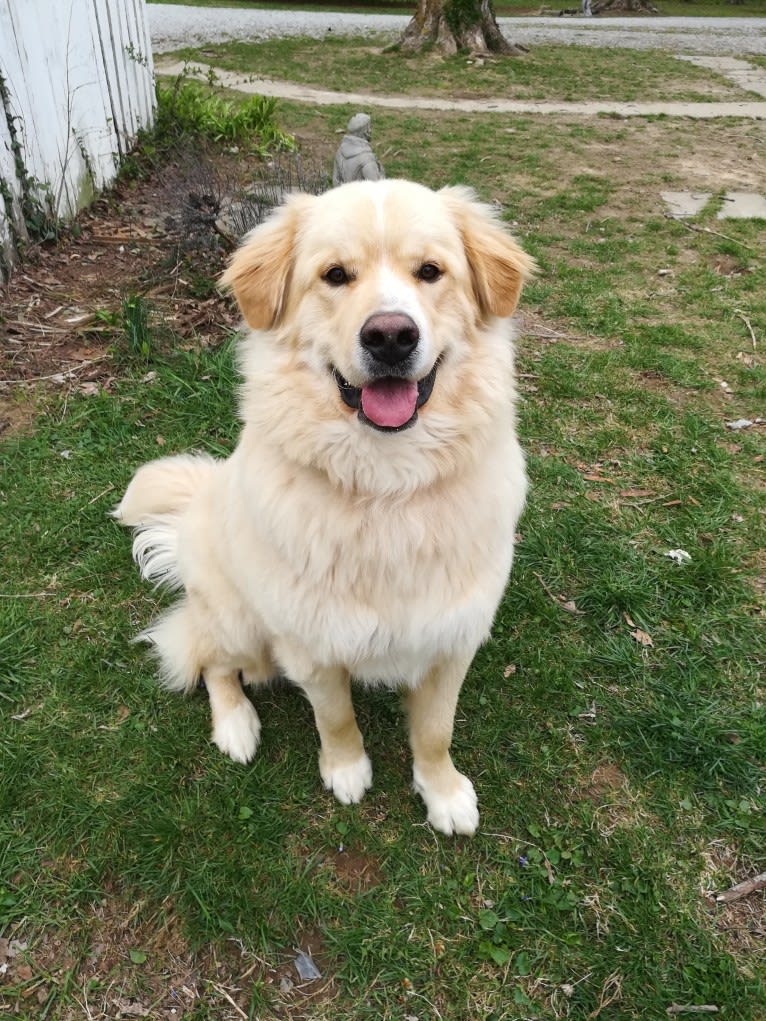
(188, 107)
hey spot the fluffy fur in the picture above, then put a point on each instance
(325, 548)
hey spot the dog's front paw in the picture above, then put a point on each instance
(348, 783)
(238, 731)
(452, 811)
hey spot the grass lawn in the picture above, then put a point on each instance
(547, 72)
(614, 725)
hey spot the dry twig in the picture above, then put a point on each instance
(65, 373)
(220, 989)
(743, 889)
(692, 1008)
(748, 324)
(707, 230)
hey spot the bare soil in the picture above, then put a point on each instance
(153, 236)
(118, 963)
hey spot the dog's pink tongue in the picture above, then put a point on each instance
(389, 402)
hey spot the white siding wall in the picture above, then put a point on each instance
(77, 86)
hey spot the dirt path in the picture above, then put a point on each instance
(751, 110)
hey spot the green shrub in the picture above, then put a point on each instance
(187, 107)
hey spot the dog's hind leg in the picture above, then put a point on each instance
(343, 763)
(236, 727)
(448, 795)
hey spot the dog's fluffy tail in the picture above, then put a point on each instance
(153, 504)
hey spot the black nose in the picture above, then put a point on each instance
(389, 337)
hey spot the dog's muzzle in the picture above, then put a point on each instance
(388, 403)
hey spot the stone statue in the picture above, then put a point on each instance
(355, 160)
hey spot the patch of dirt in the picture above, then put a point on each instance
(118, 964)
(16, 417)
(703, 157)
(293, 992)
(727, 266)
(605, 780)
(741, 924)
(615, 803)
(155, 237)
(355, 872)
(115, 966)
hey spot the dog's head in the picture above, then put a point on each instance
(380, 304)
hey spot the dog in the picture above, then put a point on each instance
(364, 525)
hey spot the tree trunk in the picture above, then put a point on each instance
(452, 25)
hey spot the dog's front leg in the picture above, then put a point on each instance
(343, 763)
(448, 795)
(236, 727)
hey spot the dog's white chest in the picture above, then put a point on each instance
(385, 591)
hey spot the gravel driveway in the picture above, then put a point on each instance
(174, 26)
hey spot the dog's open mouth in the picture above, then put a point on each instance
(389, 403)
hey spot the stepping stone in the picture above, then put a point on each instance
(742, 205)
(685, 203)
(740, 72)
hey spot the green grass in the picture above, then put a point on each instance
(617, 781)
(547, 72)
(187, 107)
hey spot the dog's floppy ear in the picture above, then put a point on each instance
(259, 271)
(499, 267)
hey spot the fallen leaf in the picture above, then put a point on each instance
(642, 637)
(633, 494)
(131, 1008)
(599, 478)
(569, 605)
(160, 441)
(509, 670)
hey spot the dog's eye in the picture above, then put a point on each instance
(336, 276)
(428, 272)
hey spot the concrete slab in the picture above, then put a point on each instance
(742, 205)
(739, 72)
(685, 203)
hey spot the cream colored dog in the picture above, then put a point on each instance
(364, 525)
